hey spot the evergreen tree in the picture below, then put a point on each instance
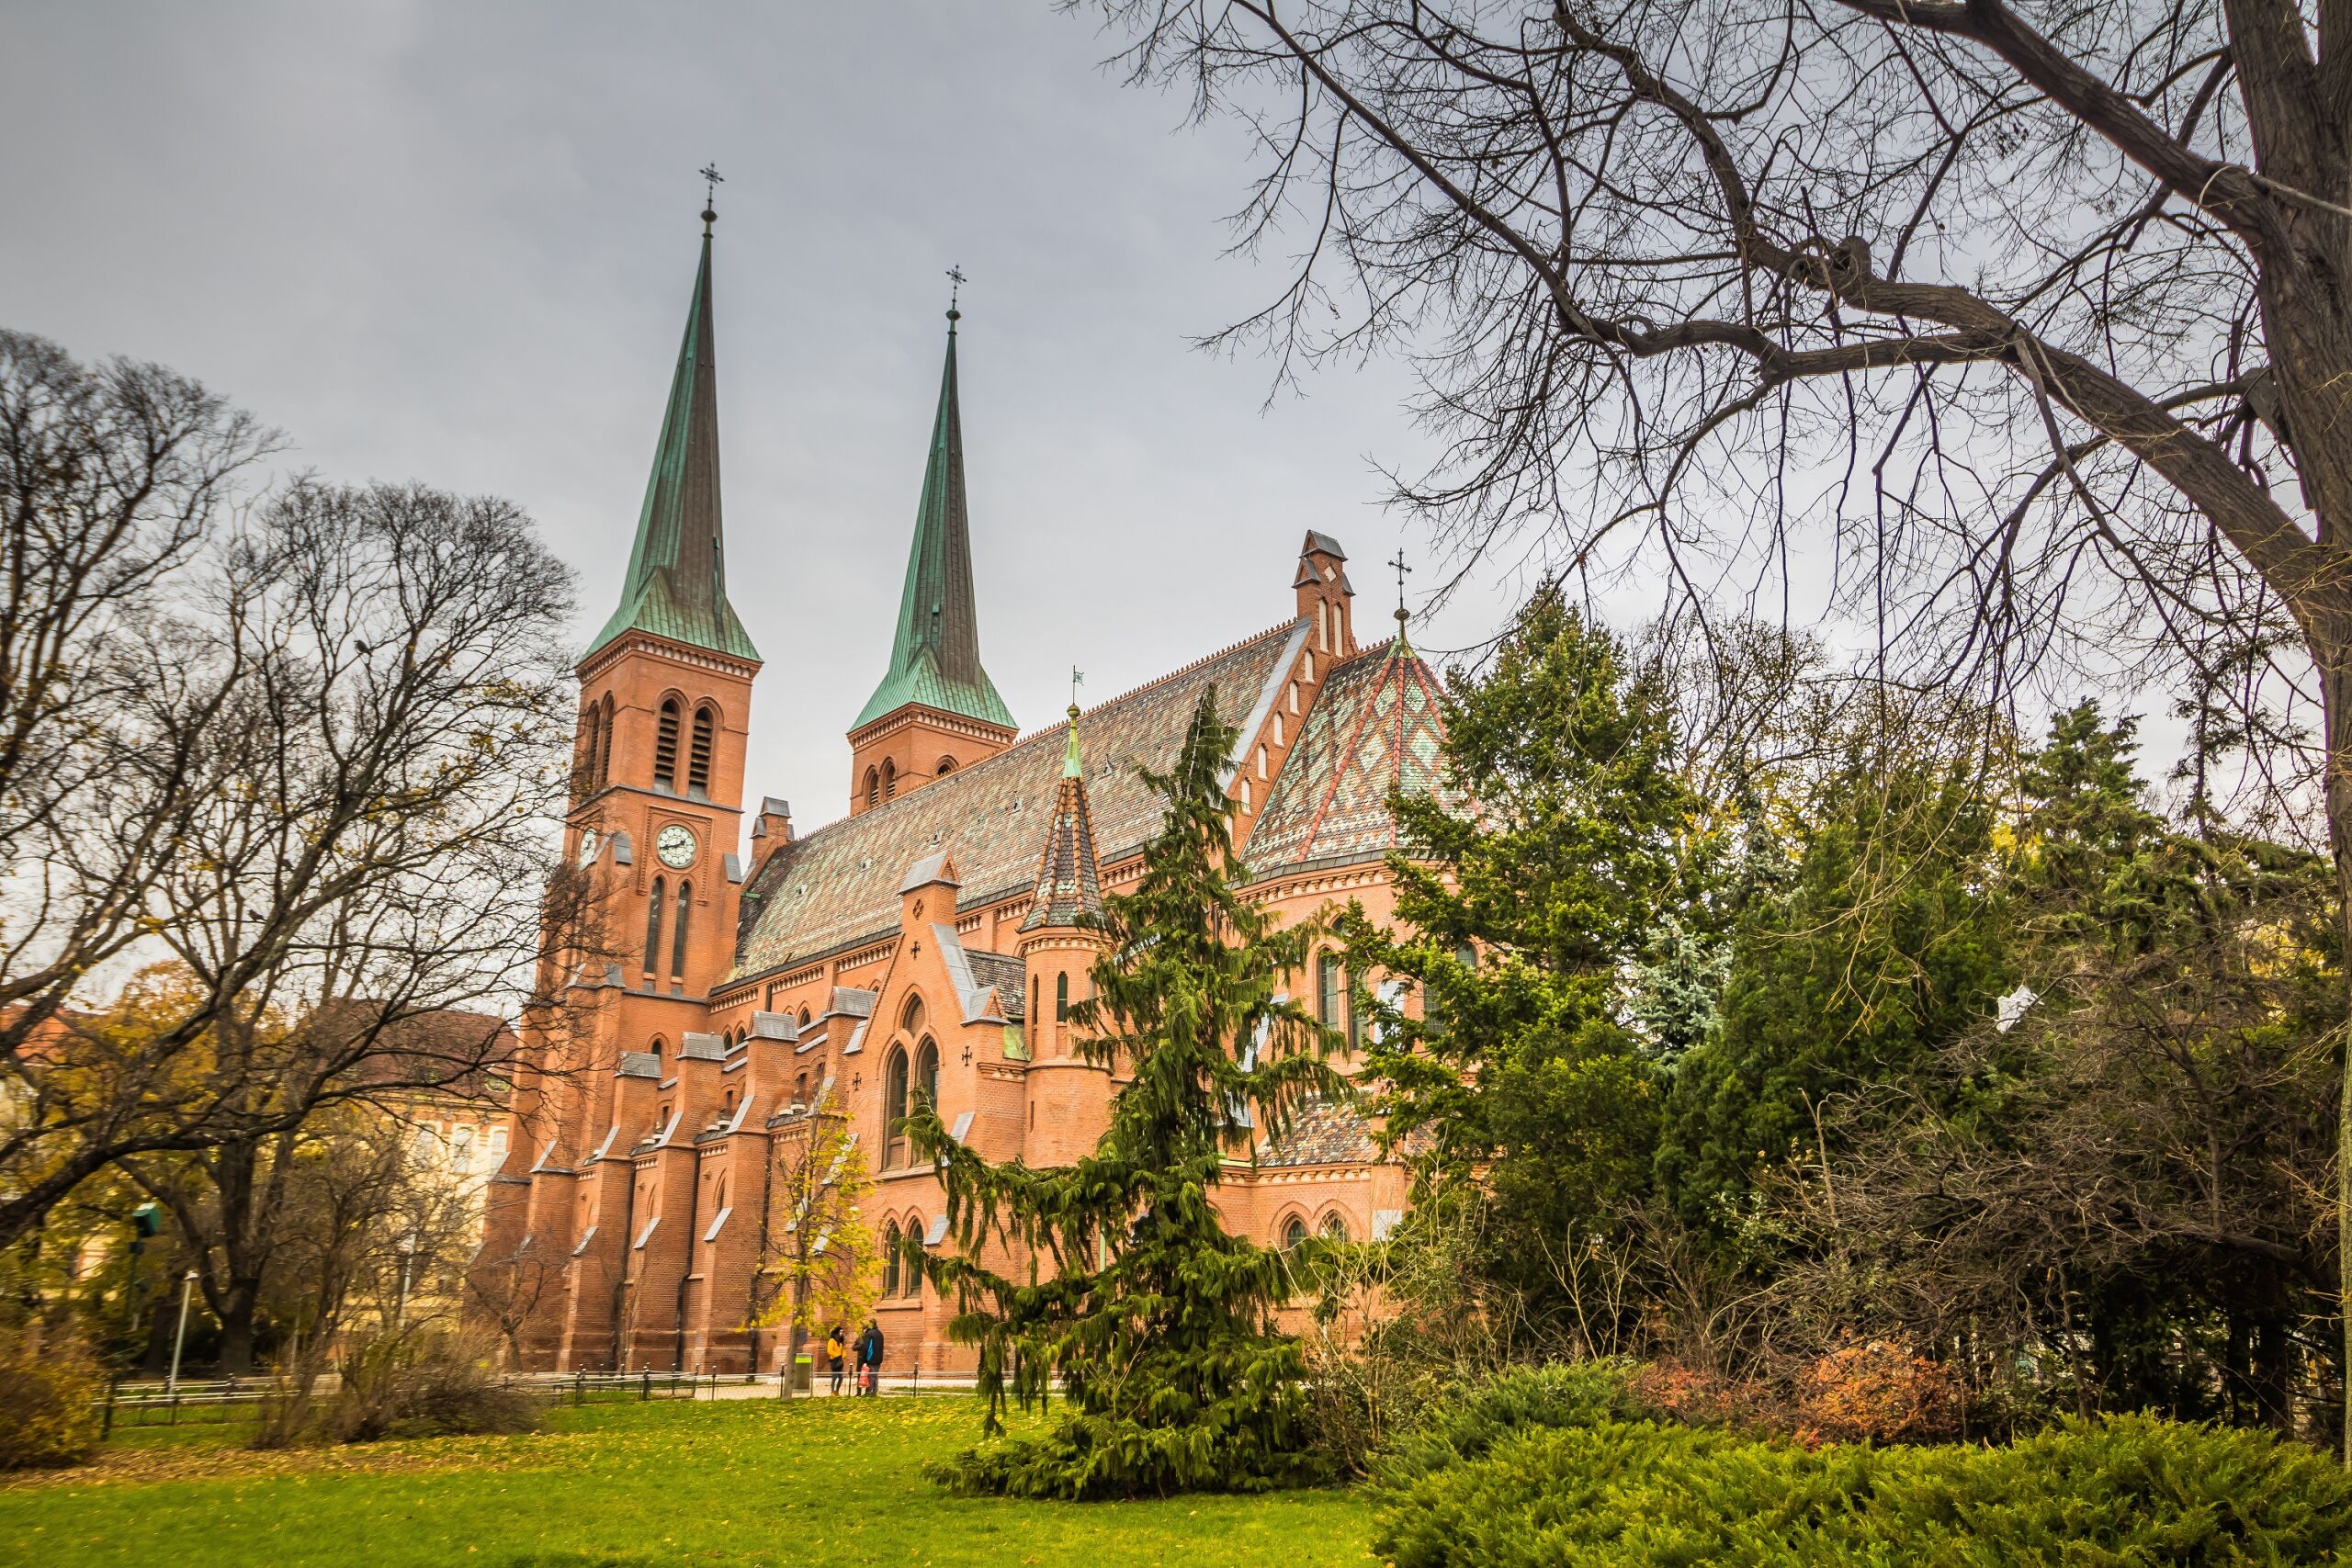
(1158, 1323)
(1520, 920)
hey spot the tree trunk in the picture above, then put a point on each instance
(793, 1341)
(2335, 701)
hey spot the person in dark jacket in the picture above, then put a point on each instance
(869, 1359)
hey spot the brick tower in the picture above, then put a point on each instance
(936, 710)
(654, 823)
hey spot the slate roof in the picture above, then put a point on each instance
(838, 885)
(1323, 1134)
(1374, 731)
(1069, 879)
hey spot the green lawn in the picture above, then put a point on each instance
(735, 1482)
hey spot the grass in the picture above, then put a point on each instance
(615, 1486)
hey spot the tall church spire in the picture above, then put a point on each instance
(676, 586)
(1069, 882)
(935, 656)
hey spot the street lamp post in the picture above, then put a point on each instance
(408, 1252)
(187, 1287)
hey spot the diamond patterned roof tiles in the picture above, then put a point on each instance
(839, 884)
(1376, 731)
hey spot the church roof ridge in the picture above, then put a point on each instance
(1176, 674)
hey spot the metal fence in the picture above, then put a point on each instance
(230, 1400)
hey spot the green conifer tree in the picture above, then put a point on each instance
(1158, 1323)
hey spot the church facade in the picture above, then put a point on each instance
(931, 940)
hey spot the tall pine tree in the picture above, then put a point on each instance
(1158, 1323)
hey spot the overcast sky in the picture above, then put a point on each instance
(453, 242)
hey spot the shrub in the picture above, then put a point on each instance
(51, 1391)
(2127, 1490)
(1879, 1393)
(1517, 1399)
(421, 1383)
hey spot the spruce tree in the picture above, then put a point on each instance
(1158, 1323)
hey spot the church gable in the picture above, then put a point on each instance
(839, 884)
(1374, 731)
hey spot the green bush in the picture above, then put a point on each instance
(2124, 1491)
(51, 1391)
(1474, 1419)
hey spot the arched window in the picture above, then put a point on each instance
(891, 1259)
(665, 747)
(804, 1017)
(698, 750)
(910, 1016)
(913, 1273)
(800, 1089)
(1035, 1018)
(1294, 1233)
(927, 1074)
(584, 773)
(946, 766)
(1061, 998)
(873, 787)
(890, 778)
(1335, 1226)
(654, 925)
(894, 1111)
(604, 741)
(656, 1047)
(1326, 990)
(678, 937)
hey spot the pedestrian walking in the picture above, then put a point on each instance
(836, 1352)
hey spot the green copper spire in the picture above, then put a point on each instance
(676, 585)
(936, 658)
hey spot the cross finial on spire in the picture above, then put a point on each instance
(1398, 562)
(712, 180)
(955, 290)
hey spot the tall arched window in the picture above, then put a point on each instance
(678, 936)
(584, 773)
(804, 1017)
(1061, 998)
(665, 747)
(604, 741)
(1335, 1226)
(894, 1111)
(890, 778)
(913, 1271)
(873, 787)
(698, 750)
(801, 1088)
(891, 1259)
(1326, 990)
(654, 925)
(910, 1016)
(1035, 1016)
(1294, 1233)
(927, 1074)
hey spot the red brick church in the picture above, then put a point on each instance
(929, 940)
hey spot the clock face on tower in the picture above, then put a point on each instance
(675, 845)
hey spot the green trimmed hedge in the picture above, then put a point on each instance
(1616, 1493)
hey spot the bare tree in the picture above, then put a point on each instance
(370, 856)
(2043, 312)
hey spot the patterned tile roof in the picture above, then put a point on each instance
(1323, 1134)
(1374, 731)
(838, 885)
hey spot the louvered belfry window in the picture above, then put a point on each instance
(698, 755)
(665, 747)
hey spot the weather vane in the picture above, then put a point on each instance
(1077, 679)
(1398, 562)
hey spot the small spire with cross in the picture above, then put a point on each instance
(712, 180)
(955, 290)
(1397, 561)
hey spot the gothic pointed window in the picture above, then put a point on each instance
(890, 778)
(891, 1261)
(1326, 990)
(913, 1273)
(654, 925)
(910, 1016)
(946, 766)
(1294, 1235)
(584, 773)
(698, 752)
(1335, 1227)
(678, 936)
(927, 1075)
(873, 787)
(1061, 998)
(604, 741)
(894, 1111)
(665, 747)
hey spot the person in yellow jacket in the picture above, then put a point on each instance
(836, 1348)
